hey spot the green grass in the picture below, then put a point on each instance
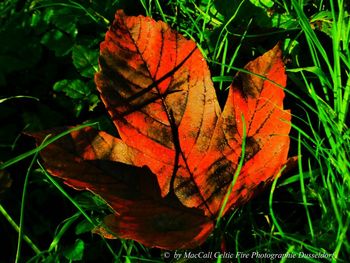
(306, 210)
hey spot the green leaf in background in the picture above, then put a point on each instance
(285, 21)
(75, 89)
(241, 12)
(76, 251)
(58, 15)
(15, 54)
(89, 201)
(65, 20)
(85, 60)
(262, 3)
(79, 92)
(59, 42)
(83, 227)
(323, 21)
(212, 14)
(291, 47)
(51, 259)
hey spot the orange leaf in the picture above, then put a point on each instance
(167, 175)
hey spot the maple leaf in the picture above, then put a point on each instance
(167, 175)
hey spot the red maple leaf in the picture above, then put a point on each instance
(167, 175)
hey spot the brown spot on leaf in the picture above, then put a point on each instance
(252, 147)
